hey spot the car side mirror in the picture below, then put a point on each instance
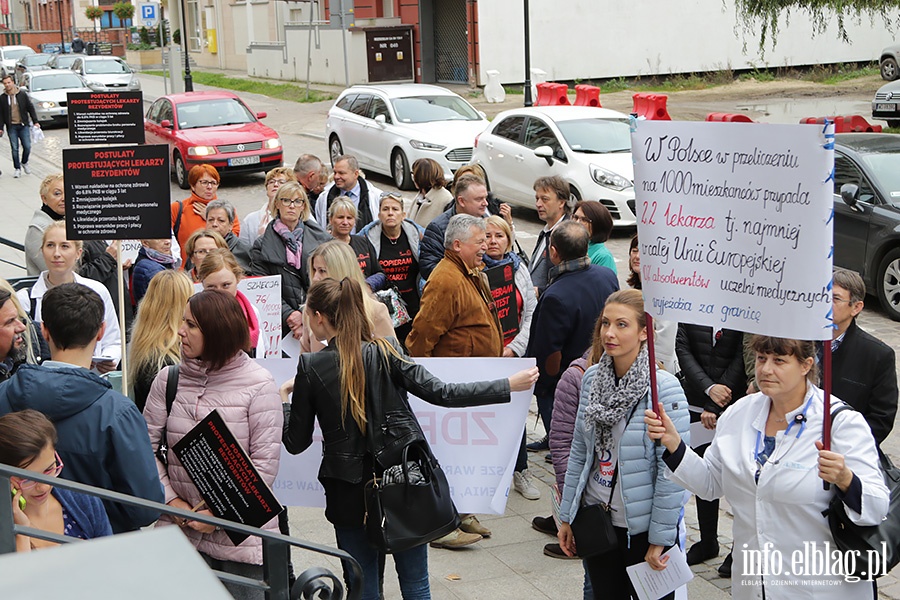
(380, 120)
(165, 123)
(262, 115)
(482, 114)
(850, 194)
(23, 87)
(545, 152)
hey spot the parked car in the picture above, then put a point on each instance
(106, 73)
(867, 212)
(62, 61)
(31, 62)
(214, 128)
(890, 58)
(588, 147)
(886, 104)
(388, 127)
(48, 92)
(10, 54)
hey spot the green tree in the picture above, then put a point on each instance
(93, 13)
(123, 10)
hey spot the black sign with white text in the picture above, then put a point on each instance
(106, 117)
(502, 280)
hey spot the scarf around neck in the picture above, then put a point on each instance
(508, 258)
(159, 257)
(293, 242)
(609, 402)
(51, 213)
(251, 319)
(569, 266)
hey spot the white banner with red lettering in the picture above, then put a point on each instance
(477, 447)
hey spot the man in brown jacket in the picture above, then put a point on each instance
(457, 317)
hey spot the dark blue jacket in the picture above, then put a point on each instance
(103, 439)
(86, 511)
(431, 250)
(142, 272)
(563, 322)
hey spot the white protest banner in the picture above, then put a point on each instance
(264, 293)
(735, 225)
(477, 446)
(129, 250)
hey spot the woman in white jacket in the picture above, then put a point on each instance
(768, 462)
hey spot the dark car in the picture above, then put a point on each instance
(867, 212)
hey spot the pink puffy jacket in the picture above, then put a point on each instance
(247, 399)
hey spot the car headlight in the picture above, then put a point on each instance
(201, 151)
(272, 143)
(46, 104)
(93, 84)
(426, 146)
(607, 178)
(134, 83)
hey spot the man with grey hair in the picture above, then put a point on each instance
(471, 196)
(347, 182)
(457, 317)
(307, 170)
(863, 371)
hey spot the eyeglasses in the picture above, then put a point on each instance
(578, 219)
(54, 471)
(208, 183)
(393, 195)
(837, 300)
(279, 182)
(202, 252)
(293, 201)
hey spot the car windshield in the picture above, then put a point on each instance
(424, 109)
(17, 54)
(596, 136)
(56, 81)
(213, 113)
(105, 67)
(64, 62)
(36, 59)
(886, 167)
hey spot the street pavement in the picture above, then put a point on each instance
(510, 564)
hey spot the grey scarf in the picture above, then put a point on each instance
(609, 403)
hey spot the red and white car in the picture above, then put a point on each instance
(214, 128)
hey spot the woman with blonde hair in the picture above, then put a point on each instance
(201, 243)
(220, 271)
(341, 223)
(154, 339)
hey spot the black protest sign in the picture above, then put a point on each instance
(106, 117)
(225, 477)
(117, 193)
(502, 280)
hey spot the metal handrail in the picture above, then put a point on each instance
(15, 246)
(276, 547)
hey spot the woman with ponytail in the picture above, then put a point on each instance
(334, 386)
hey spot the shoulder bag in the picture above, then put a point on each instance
(593, 528)
(876, 547)
(162, 450)
(395, 304)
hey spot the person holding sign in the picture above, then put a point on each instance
(663, 331)
(333, 386)
(217, 374)
(28, 441)
(221, 271)
(62, 256)
(612, 459)
(768, 461)
(284, 250)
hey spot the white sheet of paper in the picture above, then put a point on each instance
(650, 584)
(290, 345)
(701, 435)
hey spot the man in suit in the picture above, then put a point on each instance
(863, 371)
(551, 199)
(17, 115)
(349, 182)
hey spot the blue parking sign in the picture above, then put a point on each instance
(148, 11)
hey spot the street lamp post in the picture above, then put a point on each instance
(528, 101)
(62, 36)
(188, 80)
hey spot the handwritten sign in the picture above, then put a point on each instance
(264, 293)
(502, 281)
(735, 225)
(477, 447)
(224, 475)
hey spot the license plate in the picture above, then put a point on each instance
(243, 160)
(885, 106)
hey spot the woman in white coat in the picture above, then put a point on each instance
(767, 461)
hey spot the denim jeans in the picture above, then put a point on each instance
(19, 133)
(411, 565)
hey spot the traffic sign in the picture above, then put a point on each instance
(149, 13)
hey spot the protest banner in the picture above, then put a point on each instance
(264, 293)
(735, 225)
(105, 117)
(224, 475)
(477, 447)
(502, 281)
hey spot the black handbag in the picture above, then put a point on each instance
(876, 547)
(593, 529)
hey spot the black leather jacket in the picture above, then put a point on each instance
(388, 377)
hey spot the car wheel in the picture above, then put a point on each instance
(335, 149)
(893, 123)
(575, 193)
(888, 283)
(181, 175)
(400, 170)
(889, 70)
